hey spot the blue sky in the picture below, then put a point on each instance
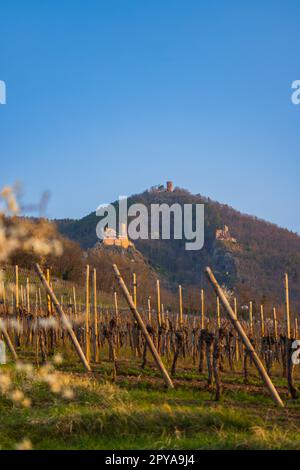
(110, 97)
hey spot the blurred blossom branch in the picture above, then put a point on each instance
(22, 234)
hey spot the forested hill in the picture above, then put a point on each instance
(253, 266)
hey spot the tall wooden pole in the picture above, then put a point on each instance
(237, 352)
(218, 312)
(17, 286)
(134, 285)
(49, 304)
(28, 294)
(7, 339)
(116, 305)
(4, 295)
(22, 295)
(149, 310)
(158, 303)
(202, 310)
(87, 315)
(275, 323)
(63, 317)
(96, 344)
(262, 321)
(180, 305)
(296, 328)
(162, 313)
(287, 306)
(37, 331)
(238, 327)
(251, 317)
(142, 326)
(74, 301)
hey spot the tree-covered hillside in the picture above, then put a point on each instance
(253, 267)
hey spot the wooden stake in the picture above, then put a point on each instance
(74, 301)
(96, 345)
(180, 306)
(287, 306)
(142, 326)
(22, 295)
(4, 295)
(63, 317)
(8, 341)
(262, 321)
(37, 330)
(202, 310)
(149, 310)
(235, 306)
(218, 312)
(237, 352)
(238, 327)
(28, 294)
(275, 323)
(87, 315)
(17, 286)
(251, 317)
(158, 303)
(48, 296)
(116, 305)
(296, 328)
(134, 289)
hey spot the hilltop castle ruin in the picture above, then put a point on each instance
(223, 234)
(111, 238)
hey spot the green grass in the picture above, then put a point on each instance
(138, 412)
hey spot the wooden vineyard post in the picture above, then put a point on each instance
(7, 339)
(17, 304)
(296, 328)
(149, 310)
(87, 315)
(96, 345)
(3, 329)
(162, 313)
(238, 327)
(180, 306)
(36, 319)
(218, 312)
(158, 303)
(63, 317)
(237, 352)
(262, 321)
(287, 306)
(48, 296)
(275, 323)
(40, 300)
(251, 317)
(134, 285)
(202, 310)
(17, 287)
(22, 295)
(74, 301)
(51, 334)
(28, 294)
(116, 305)
(143, 328)
(4, 296)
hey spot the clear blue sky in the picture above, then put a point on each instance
(110, 97)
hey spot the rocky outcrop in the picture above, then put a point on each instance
(224, 263)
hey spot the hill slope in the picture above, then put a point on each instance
(253, 266)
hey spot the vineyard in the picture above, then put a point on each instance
(89, 369)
